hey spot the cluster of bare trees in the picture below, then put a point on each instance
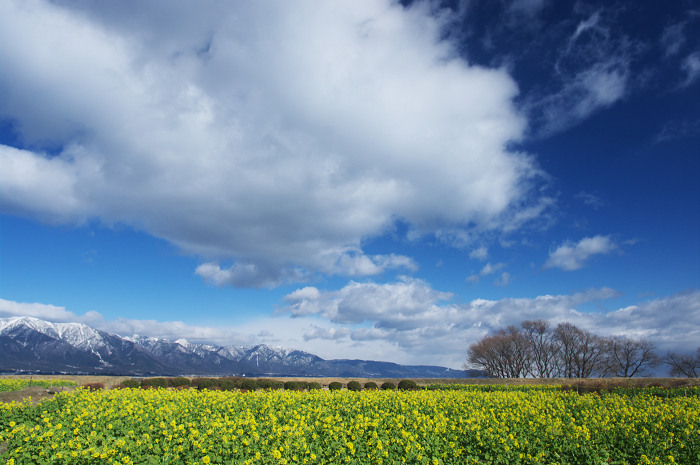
(535, 349)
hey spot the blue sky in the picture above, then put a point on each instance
(357, 179)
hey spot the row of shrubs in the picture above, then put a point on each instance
(249, 384)
(404, 385)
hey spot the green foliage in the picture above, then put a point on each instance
(155, 382)
(335, 386)
(388, 386)
(314, 386)
(249, 384)
(277, 385)
(371, 385)
(206, 383)
(229, 385)
(195, 381)
(130, 383)
(354, 386)
(179, 381)
(291, 385)
(407, 385)
(264, 383)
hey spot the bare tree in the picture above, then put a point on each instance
(626, 358)
(543, 348)
(683, 365)
(504, 354)
(581, 353)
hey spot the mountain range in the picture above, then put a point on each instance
(31, 344)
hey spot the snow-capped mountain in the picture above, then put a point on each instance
(31, 344)
(28, 343)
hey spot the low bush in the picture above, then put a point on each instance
(335, 386)
(229, 385)
(130, 383)
(354, 386)
(314, 386)
(206, 383)
(277, 385)
(264, 383)
(291, 385)
(407, 385)
(371, 385)
(388, 386)
(195, 382)
(179, 381)
(249, 385)
(155, 382)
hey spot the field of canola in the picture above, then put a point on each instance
(19, 384)
(384, 427)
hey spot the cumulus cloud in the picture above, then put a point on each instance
(275, 137)
(409, 322)
(419, 320)
(482, 253)
(572, 256)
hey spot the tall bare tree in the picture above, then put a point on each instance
(543, 348)
(581, 353)
(683, 365)
(504, 354)
(626, 358)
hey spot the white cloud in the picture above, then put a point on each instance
(691, 66)
(491, 269)
(592, 72)
(328, 334)
(570, 256)
(429, 331)
(409, 322)
(503, 281)
(481, 253)
(673, 38)
(472, 279)
(272, 136)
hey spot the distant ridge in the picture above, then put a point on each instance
(31, 344)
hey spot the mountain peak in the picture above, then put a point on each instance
(75, 347)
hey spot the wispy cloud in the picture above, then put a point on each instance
(691, 66)
(572, 256)
(591, 200)
(592, 72)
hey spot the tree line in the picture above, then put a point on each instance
(535, 349)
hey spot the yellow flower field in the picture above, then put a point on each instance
(19, 384)
(384, 427)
